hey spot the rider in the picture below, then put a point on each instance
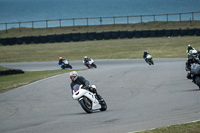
(86, 59)
(145, 55)
(60, 61)
(189, 48)
(80, 80)
(192, 58)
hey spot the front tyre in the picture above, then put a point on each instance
(94, 65)
(103, 106)
(86, 105)
(197, 80)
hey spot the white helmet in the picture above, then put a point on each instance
(85, 57)
(73, 75)
(194, 52)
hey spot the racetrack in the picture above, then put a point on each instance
(138, 96)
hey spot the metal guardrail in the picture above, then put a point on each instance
(188, 16)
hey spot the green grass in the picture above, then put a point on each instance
(193, 127)
(16, 32)
(12, 81)
(161, 47)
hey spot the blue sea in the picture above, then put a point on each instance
(34, 10)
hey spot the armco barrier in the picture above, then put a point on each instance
(10, 72)
(99, 36)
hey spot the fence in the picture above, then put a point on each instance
(99, 36)
(188, 16)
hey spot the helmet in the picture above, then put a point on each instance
(60, 57)
(73, 75)
(189, 45)
(85, 57)
(194, 52)
(145, 51)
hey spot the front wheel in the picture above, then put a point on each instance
(94, 65)
(103, 106)
(86, 105)
(197, 80)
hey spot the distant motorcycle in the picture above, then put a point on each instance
(65, 64)
(195, 74)
(149, 59)
(88, 100)
(90, 64)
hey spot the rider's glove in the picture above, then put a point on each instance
(86, 87)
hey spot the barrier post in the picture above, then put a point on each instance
(141, 18)
(180, 17)
(46, 23)
(127, 20)
(167, 17)
(32, 25)
(60, 22)
(6, 27)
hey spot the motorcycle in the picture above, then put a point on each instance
(195, 74)
(149, 59)
(90, 63)
(65, 64)
(88, 100)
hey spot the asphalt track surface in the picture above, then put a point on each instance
(138, 96)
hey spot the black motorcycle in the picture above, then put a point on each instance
(149, 59)
(195, 74)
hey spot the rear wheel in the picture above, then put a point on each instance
(86, 104)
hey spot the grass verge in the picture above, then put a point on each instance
(12, 81)
(160, 47)
(193, 127)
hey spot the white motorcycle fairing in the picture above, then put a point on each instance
(79, 94)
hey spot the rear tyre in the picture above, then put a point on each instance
(86, 105)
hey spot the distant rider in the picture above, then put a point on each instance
(60, 61)
(145, 55)
(80, 80)
(192, 58)
(189, 48)
(86, 60)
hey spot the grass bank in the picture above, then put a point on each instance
(161, 47)
(16, 32)
(12, 81)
